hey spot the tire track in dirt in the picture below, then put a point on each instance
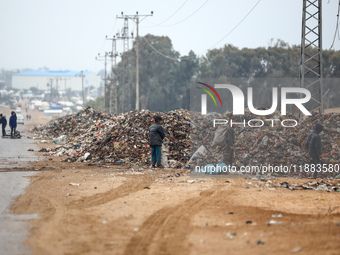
(53, 218)
(165, 231)
(130, 186)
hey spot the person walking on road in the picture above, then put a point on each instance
(13, 123)
(3, 122)
(156, 136)
(313, 145)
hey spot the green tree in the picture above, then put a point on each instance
(97, 104)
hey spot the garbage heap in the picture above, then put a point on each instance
(95, 136)
(269, 145)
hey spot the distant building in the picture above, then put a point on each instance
(60, 80)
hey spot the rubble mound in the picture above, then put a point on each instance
(93, 135)
(99, 137)
(271, 144)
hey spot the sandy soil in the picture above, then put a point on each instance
(112, 209)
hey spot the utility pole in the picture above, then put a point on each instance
(82, 86)
(125, 78)
(136, 19)
(311, 69)
(113, 87)
(106, 90)
(57, 88)
(51, 86)
(65, 79)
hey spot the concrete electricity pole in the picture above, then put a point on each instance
(113, 85)
(106, 91)
(136, 19)
(82, 87)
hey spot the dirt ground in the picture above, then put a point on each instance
(117, 209)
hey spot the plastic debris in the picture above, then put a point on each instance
(74, 184)
(297, 249)
(274, 222)
(230, 235)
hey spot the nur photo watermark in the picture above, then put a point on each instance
(261, 127)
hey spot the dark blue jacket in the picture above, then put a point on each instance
(13, 120)
(156, 135)
(3, 121)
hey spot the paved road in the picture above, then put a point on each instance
(13, 180)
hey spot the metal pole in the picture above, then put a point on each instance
(137, 67)
(311, 69)
(320, 58)
(82, 85)
(105, 87)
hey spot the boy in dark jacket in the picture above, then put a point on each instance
(13, 123)
(156, 136)
(313, 145)
(3, 121)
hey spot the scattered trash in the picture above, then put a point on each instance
(30, 149)
(86, 156)
(274, 222)
(297, 249)
(277, 215)
(329, 185)
(230, 235)
(74, 184)
(260, 242)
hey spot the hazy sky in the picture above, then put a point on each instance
(68, 34)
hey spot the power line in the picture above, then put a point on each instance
(103, 44)
(172, 14)
(237, 24)
(337, 27)
(160, 53)
(177, 59)
(189, 15)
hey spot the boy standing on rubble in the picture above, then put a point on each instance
(313, 145)
(156, 136)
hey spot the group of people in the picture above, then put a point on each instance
(28, 117)
(12, 124)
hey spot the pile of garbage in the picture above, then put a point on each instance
(273, 145)
(95, 136)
